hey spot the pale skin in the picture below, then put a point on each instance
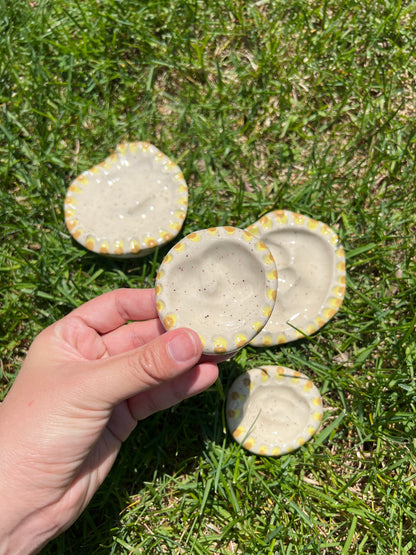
(84, 384)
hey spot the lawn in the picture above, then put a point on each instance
(306, 105)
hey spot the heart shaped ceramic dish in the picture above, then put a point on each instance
(129, 204)
(311, 268)
(221, 282)
(273, 410)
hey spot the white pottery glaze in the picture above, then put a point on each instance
(311, 268)
(273, 410)
(221, 282)
(129, 204)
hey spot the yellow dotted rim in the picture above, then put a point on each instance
(260, 434)
(158, 234)
(220, 341)
(287, 220)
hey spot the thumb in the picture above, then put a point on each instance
(120, 377)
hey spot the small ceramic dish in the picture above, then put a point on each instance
(311, 268)
(129, 204)
(221, 282)
(273, 410)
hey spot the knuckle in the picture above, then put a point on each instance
(146, 364)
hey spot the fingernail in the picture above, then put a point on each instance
(183, 347)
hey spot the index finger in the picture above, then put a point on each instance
(111, 310)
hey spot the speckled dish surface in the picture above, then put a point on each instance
(273, 410)
(221, 282)
(311, 268)
(129, 204)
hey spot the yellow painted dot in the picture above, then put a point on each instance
(77, 233)
(234, 413)
(267, 311)
(170, 165)
(167, 259)
(239, 431)
(220, 345)
(310, 329)
(118, 247)
(229, 229)
(74, 188)
(264, 375)
(253, 230)
(179, 247)
(261, 246)
(112, 158)
(320, 321)
(195, 237)
(69, 213)
(301, 441)
(312, 224)
(94, 171)
(335, 302)
(267, 341)
(160, 306)
(166, 235)
(70, 200)
(247, 236)
(295, 377)
(317, 416)
(159, 156)
(308, 385)
(202, 339)
(329, 313)
(105, 165)
(280, 216)
(247, 383)
(169, 321)
(271, 294)
(160, 274)
(281, 338)
(83, 179)
(299, 334)
(265, 222)
(342, 280)
(276, 451)
(317, 401)
(311, 430)
(179, 176)
(262, 450)
(144, 146)
(182, 189)
(158, 289)
(298, 219)
(334, 239)
(175, 225)
(182, 201)
(240, 340)
(340, 253)
(104, 247)
(272, 275)
(180, 214)
(134, 246)
(268, 259)
(90, 242)
(257, 326)
(133, 147)
(122, 148)
(150, 242)
(70, 224)
(249, 443)
(280, 371)
(339, 290)
(325, 230)
(212, 231)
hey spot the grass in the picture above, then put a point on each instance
(301, 104)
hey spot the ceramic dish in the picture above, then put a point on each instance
(311, 268)
(129, 204)
(273, 410)
(221, 282)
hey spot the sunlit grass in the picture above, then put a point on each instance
(303, 105)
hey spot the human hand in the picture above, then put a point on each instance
(85, 383)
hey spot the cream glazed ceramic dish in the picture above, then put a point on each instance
(311, 268)
(273, 410)
(129, 204)
(221, 282)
